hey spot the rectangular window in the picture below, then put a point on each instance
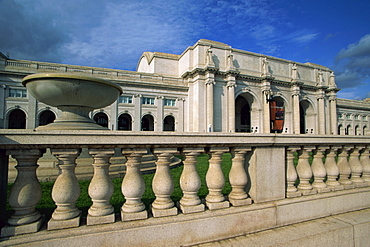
(148, 101)
(17, 93)
(125, 100)
(170, 102)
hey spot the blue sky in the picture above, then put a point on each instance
(114, 33)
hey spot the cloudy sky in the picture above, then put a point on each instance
(114, 33)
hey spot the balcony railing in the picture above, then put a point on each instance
(267, 171)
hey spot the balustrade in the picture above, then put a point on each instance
(349, 171)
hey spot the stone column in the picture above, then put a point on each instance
(321, 115)
(356, 167)
(344, 168)
(163, 185)
(136, 121)
(291, 173)
(318, 170)
(190, 182)
(231, 102)
(296, 114)
(266, 111)
(215, 180)
(333, 115)
(304, 171)
(133, 186)
(209, 91)
(66, 191)
(101, 188)
(24, 194)
(365, 162)
(238, 178)
(113, 123)
(159, 103)
(332, 170)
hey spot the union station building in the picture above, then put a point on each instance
(210, 87)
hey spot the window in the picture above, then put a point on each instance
(17, 93)
(125, 99)
(357, 117)
(148, 101)
(170, 102)
(348, 116)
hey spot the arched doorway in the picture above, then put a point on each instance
(102, 119)
(341, 130)
(46, 117)
(169, 123)
(125, 122)
(277, 115)
(17, 119)
(307, 117)
(364, 131)
(349, 130)
(357, 130)
(242, 115)
(147, 123)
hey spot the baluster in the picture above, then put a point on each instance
(66, 191)
(163, 184)
(356, 167)
(190, 182)
(292, 175)
(365, 162)
(133, 186)
(318, 170)
(215, 180)
(24, 194)
(101, 188)
(332, 170)
(344, 168)
(238, 178)
(304, 171)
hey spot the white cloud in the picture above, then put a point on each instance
(359, 49)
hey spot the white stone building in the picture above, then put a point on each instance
(209, 87)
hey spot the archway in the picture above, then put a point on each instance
(46, 117)
(341, 130)
(102, 119)
(357, 130)
(242, 114)
(277, 115)
(147, 123)
(349, 130)
(307, 117)
(364, 131)
(169, 123)
(125, 122)
(17, 119)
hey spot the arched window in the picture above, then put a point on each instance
(102, 119)
(124, 122)
(46, 117)
(147, 123)
(169, 123)
(17, 119)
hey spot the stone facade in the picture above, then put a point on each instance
(209, 87)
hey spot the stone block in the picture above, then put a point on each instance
(134, 216)
(192, 209)
(217, 205)
(164, 212)
(98, 220)
(9, 230)
(62, 224)
(237, 203)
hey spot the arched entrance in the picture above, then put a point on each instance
(242, 115)
(102, 119)
(147, 123)
(46, 117)
(307, 117)
(17, 119)
(357, 130)
(125, 122)
(169, 123)
(349, 130)
(277, 115)
(341, 130)
(364, 131)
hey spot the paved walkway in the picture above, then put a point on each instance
(349, 229)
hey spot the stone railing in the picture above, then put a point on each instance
(273, 178)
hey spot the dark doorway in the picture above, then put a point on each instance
(101, 119)
(124, 122)
(147, 123)
(46, 117)
(17, 120)
(169, 123)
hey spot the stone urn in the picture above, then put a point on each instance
(75, 95)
